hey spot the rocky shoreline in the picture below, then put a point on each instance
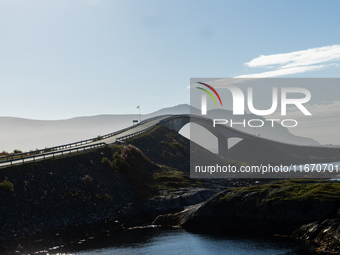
(326, 234)
(250, 212)
(193, 209)
(38, 235)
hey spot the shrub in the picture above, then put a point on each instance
(47, 150)
(119, 162)
(32, 152)
(6, 185)
(132, 152)
(86, 179)
(4, 153)
(17, 151)
(107, 162)
(98, 138)
(137, 168)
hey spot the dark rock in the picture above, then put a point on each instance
(41, 226)
(33, 235)
(38, 231)
(25, 230)
(326, 234)
(247, 212)
(176, 201)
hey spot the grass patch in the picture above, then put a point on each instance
(146, 178)
(107, 162)
(173, 144)
(116, 150)
(87, 179)
(178, 145)
(295, 189)
(135, 166)
(98, 138)
(6, 185)
(166, 144)
(170, 179)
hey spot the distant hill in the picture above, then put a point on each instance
(178, 109)
(26, 134)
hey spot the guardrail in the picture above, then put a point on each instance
(58, 148)
(69, 145)
(147, 129)
(42, 154)
(136, 133)
(53, 154)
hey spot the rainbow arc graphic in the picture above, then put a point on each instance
(209, 93)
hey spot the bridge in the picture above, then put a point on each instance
(222, 132)
(174, 122)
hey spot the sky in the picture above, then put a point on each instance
(68, 58)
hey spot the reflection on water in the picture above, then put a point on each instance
(160, 241)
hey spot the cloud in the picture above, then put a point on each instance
(295, 62)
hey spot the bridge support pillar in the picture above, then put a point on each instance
(223, 147)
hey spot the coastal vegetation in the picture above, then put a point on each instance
(146, 177)
(7, 186)
(294, 189)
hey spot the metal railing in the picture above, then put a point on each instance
(53, 154)
(147, 129)
(136, 133)
(69, 145)
(42, 154)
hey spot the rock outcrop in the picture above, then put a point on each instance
(250, 211)
(325, 233)
(247, 211)
(178, 200)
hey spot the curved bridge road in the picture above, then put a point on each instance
(175, 122)
(62, 150)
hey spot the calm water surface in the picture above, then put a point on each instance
(160, 241)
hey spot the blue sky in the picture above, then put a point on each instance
(68, 58)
